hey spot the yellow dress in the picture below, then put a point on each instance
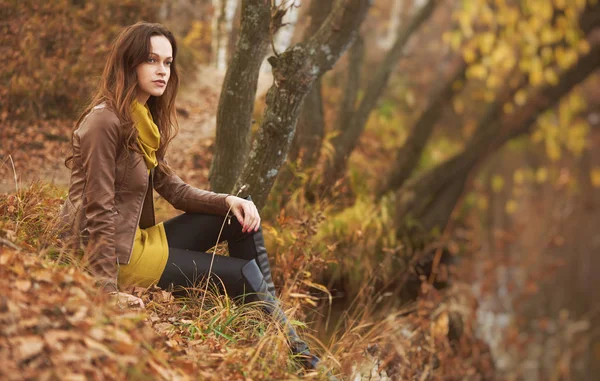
(150, 248)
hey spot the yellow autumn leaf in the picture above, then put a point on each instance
(595, 177)
(536, 77)
(525, 64)
(541, 175)
(577, 137)
(455, 40)
(521, 97)
(560, 4)
(487, 42)
(547, 35)
(583, 46)
(547, 55)
(565, 57)
(493, 81)
(464, 22)
(497, 183)
(469, 55)
(477, 71)
(552, 148)
(537, 135)
(550, 76)
(519, 176)
(511, 206)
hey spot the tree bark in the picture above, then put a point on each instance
(408, 156)
(346, 112)
(236, 102)
(345, 142)
(432, 197)
(310, 128)
(294, 73)
(311, 124)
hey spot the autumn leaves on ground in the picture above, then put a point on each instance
(57, 325)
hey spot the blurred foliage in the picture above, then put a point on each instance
(198, 40)
(541, 37)
(563, 128)
(525, 45)
(55, 52)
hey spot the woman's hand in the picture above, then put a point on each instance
(245, 211)
(127, 300)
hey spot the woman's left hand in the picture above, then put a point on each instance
(245, 211)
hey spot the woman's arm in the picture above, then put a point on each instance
(98, 140)
(188, 198)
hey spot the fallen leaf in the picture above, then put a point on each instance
(26, 347)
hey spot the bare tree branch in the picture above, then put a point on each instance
(408, 156)
(348, 137)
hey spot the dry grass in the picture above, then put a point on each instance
(57, 326)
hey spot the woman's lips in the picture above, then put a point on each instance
(160, 83)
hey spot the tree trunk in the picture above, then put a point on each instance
(408, 156)
(236, 101)
(310, 128)
(348, 105)
(221, 29)
(393, 28)
(311, 124)
(345, 142)
(294, 73)
(431, 198)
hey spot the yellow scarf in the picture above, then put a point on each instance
(148, 133)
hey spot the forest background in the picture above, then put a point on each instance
(428, 173)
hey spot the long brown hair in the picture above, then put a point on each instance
(118, 87)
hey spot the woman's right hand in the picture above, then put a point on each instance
(127, 300)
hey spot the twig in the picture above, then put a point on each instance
(214, 251)
(14, 174)
(5, 242)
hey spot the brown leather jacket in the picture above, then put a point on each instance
(110, 194)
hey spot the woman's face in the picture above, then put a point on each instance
(153, 75)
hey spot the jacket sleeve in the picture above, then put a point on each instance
(99, 139)
(186, 197)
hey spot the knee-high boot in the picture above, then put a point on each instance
(262, 258)
(258, 286)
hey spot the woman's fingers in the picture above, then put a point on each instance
(251, 217)
(246, 213)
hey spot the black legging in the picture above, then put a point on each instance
(190, 235)
(245, 271)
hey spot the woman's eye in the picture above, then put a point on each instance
(150, 60)
(169, 63)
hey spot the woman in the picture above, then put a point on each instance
(118, 159)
